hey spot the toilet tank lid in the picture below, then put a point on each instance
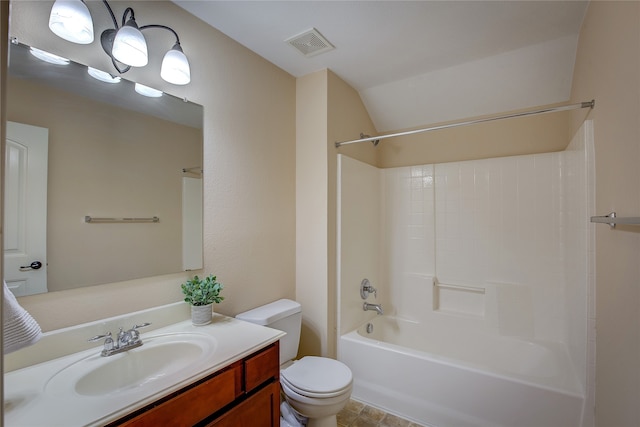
(272, 312)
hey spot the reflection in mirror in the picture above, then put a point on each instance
(105, 152)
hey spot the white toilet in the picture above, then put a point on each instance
(315, 387)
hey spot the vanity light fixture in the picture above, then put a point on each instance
(147, 91)
(103, 76)
(125, 44)
(48, 57)
(72, 21)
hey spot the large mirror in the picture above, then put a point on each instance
(117, 191)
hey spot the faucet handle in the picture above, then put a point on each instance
(108, 341)
(142, 325)
(366, 289)
(99, 337)
(108, 344)
(134, 334)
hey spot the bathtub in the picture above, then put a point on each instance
(462, 378)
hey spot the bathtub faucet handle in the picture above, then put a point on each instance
(366, 289)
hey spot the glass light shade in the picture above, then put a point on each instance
(48, 57)
(102, 75)
(71, 20)
(175, 67)
(147, 91)
(130, 46)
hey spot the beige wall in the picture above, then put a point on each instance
(129, 165)
(312, 275)
(327, 110)
(608, 69)
(525, 135)
(249, 159)
(347, 119)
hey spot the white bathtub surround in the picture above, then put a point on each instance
(500, 247)
(579, 191)
(360, 198)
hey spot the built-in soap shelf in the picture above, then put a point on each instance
(506, 308)
(612, 219)
(466, 300)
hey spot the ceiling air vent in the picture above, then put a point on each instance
(310, 43)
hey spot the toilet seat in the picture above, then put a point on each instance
(317, 377)
(295, 398)
(313, 395)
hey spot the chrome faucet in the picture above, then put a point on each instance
(126, 340)
(374, 307)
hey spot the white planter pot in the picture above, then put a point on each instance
(201, 314)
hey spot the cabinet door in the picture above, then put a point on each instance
(260, 410)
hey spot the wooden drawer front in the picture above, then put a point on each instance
(259, 410)
(193, 405)
(262, 367)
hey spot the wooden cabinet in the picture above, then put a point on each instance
(260, 368)
(261, 409)
(244, 394)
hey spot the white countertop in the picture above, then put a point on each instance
(29, 403)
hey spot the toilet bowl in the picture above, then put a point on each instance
(315, 387)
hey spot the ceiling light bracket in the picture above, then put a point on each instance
(106, 40)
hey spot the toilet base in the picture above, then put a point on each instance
(330, 421)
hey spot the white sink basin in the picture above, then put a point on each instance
(162, 359)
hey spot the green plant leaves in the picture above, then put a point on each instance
(202, 291)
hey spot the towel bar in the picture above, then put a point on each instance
(90, 219)
(612, 219)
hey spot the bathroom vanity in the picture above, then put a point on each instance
(222, 374)
(243, 394)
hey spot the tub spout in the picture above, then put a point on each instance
(375, 307)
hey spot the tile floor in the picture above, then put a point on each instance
(357, 414)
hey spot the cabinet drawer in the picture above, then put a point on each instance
(261, 409)
(262, 367)
(194, 404)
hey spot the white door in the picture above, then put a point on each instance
(25, 209)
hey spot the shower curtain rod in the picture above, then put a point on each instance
(588, 104)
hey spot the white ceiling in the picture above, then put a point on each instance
(416, 63)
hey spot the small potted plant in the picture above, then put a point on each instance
(201, 294)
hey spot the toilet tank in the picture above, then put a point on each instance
(284, 315)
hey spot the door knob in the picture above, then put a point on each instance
(35, 265)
